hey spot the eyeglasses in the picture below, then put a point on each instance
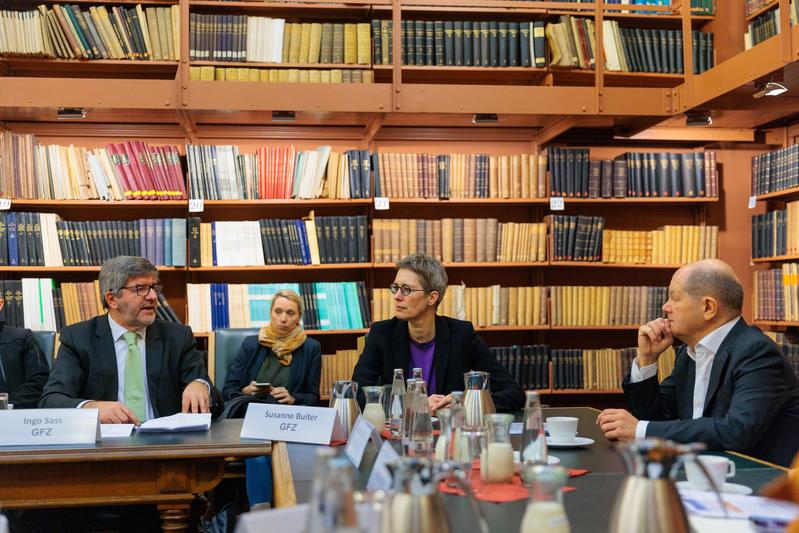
(404, 289)
(144, 290)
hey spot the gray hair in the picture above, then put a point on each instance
(116, 272)
(429, 270)
(704, 281)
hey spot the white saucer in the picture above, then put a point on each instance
(551, 459)
(731, 488)
(576, 443)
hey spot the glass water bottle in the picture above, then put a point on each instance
(422, 425)
(397, 405)
(534, 442)
(373, 411)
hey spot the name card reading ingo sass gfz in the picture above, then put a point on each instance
(47, 427)
(291, 423)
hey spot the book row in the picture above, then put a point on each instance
(752, 6)
(281, 75)
(461, 43)
(459, 240)
(602, 369)
(44, 239)
(698, 7)
(40, 304)
(654, 50)
(100, 32)
(221, 172)
(767, 25)
(633, 174)
(584, 238)
(775, 233)
(130, 170)
(220, 37)
(571, 44)
(418, 175)
(309, 241)
(668, 245)
(789, 346)
(337, 306)
(605, 306)
(774, 293)
(776, 170)
(337, 366)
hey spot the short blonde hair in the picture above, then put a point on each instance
(288, 295)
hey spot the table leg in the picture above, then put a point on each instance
(174, 518)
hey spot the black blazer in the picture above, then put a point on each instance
(86, 366)
(752, 402)
(458, 350)
(305, 370)
(23, 368)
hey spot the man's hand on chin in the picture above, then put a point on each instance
(617, 424)
(195, 398)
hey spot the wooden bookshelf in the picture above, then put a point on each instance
(775, 323)
(596, 328)
(467, 201)
(122, 68)
(776, 259)
(599, 264)
(282, 268)
(58, 269)
(310, 332)
(642, 200)
(586, 391)
(483, 264)
(253, 64)
(782, 194)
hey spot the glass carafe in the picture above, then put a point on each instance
(496, 459)
(477, 400)
(373, 411)
(337, 507)
(457, 421)
(444, 446)
(397, 405)
(343, 399)
(422, 425)
(545, 512)
(316, 506)
(534, 442)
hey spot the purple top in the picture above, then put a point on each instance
(422, 357)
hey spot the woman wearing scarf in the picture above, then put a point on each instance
(281, 355)
(290, 362)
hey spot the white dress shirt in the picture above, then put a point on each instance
(703, 354)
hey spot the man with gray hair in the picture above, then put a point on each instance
(731, 387)
(128, 364)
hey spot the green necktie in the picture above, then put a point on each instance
(134, 378)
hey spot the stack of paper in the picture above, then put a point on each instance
(178, 422)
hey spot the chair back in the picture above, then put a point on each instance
(46, 340)
(227, 342)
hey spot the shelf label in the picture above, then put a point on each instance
(752, 202)
(196, 205)
(5, 204)
(556, 203)
(381, 203)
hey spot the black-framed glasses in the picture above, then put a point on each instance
(404, 289)
(144, 290)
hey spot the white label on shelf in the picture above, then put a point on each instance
(556, 203)
(381, 203)
(196, 205)
(752, 202)
(5, 204)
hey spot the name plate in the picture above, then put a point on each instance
(362, 432)
(48, 427)
(380, 478)
(292, 423)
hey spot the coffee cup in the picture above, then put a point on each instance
(718, 469)
(562, 429)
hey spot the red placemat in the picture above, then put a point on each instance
(386, 434)
(501, 492)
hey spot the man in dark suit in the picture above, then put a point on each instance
(128, 364)
(731, 387)
(444, 348)
(23, 368)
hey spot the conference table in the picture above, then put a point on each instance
(168, 470)
(589, 507)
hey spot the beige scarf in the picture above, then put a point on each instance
(282, 346)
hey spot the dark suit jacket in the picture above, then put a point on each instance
(304, 373)
(86, 366)
(23, 368)
(752, 403)
(458, 350)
